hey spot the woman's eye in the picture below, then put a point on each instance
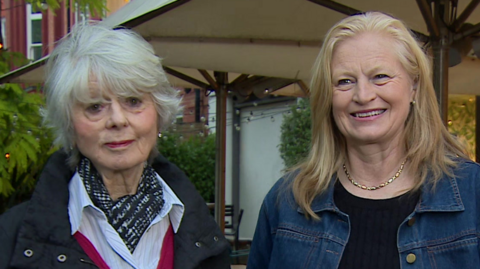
(133, 101)
(381, 76)
(94, 108)
(344, 81)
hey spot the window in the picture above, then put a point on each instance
(179, 116)
(4, 37)
(34, 34)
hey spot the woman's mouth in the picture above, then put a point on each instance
(368, 114)
(119, 144)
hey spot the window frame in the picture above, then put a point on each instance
(30, 45)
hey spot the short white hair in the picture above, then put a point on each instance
(119, 60)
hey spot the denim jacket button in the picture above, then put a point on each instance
(411, 258)
(411, 221)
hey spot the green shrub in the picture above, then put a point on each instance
(194, 156)
(25, 145)
(296, 133)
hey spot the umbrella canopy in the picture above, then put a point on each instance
(272, 38)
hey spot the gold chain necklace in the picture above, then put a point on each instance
(363, 187)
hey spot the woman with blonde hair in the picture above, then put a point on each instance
(385, 185)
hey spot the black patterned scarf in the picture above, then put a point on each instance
(130, 215)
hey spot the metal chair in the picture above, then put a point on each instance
(232, 226)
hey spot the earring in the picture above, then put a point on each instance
(159, 134)
(413, 102)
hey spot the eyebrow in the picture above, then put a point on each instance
(342, 72)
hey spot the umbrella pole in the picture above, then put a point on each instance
(441, 43)
(221, 129)
(436, 18)
(440, 75)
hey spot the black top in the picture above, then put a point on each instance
(374, 227)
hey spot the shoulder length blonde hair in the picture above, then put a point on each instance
(429, 146)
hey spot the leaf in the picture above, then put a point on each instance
(29, 151)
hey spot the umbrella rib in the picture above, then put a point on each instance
(209, 78)
(239, 79)
(336, 7)
(428, 18)
(187, 78)
(303, 87)
(471, 31)
(465, 14)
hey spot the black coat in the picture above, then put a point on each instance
(34, 234)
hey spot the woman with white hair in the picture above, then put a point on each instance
(108, 199)
(385, 185)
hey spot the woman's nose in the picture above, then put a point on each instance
(117, 117)
(364, 92)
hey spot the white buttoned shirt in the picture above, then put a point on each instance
(89, 220)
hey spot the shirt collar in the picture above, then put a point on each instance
(177, 207)
(79, 200)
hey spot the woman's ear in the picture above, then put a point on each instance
(413, 93)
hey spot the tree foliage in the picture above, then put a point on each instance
(296, 133)
(194, 156)
(24, 143)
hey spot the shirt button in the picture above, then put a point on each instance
(61, 258)
(215, 238)
(411, 221)
(28, 253)
(198, 244)
(411, 258)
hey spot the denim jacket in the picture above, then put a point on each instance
(442, 232)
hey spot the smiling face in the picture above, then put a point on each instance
(115, 133)
(371, 90)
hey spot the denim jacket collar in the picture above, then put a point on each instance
(324, 202)
(444, 198)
